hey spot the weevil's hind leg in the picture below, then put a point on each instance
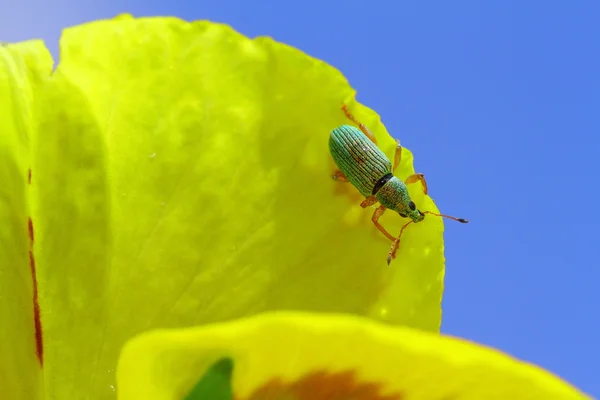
(369, 201)
(397, 155)
(378, 213)
(339, 176)
(361, 126)
(416, 178)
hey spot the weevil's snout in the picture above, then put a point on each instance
(418, 216)
(414, 213)
(410, 211)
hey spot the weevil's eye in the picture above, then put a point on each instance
(403, 215)
(412, 206)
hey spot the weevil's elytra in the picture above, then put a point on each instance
(362, 163)
(358, 158)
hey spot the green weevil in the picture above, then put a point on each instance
(367, 168)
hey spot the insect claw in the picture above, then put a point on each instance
(392, 253)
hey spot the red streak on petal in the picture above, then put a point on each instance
(323, 385)
(39, 344)
(30, 229)
(37, 322)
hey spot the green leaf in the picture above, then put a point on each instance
(215, 384)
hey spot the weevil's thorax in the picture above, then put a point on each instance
(394, 196)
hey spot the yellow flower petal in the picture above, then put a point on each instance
(298, 356)
(182, 176)
(22, 69)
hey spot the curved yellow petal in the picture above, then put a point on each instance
(23, 67)
(299, 356)
(182, 176)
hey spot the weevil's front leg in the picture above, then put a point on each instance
(416, 178)
(369, 201)
(396, 243)
(393, 250)
(339, 176)
(361, 126)
(378, 213)
(397, 155)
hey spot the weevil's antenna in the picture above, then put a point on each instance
(395, 245)
(464, 221)
(392, 253)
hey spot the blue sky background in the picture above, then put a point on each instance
(500, 104)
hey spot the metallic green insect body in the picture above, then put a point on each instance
(363, 164)
(369, 170)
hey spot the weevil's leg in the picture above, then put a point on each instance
(397, 155)
(361, 126)
(416, 178)
(396, 243)
(393, 250)
(339, 176)
(369, 201)
(378, 213)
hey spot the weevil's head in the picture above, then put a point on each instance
(408, 209)
(394, 195)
